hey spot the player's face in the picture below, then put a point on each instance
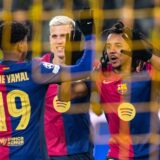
(58, 41)
(114, 44)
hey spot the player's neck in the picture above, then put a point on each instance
(57, 60)
(12, 56)
(124, 70)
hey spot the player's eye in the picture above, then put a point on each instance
(107, 46)
(119, 45)
(63, 35)
(54, 36)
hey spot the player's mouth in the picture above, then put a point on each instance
(61, 57)
(60, 49)
(113, 59)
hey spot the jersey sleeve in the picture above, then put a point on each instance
(44, 72)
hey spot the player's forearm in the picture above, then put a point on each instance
(64, 91)
(71, 90)
(86, 62)
(84, 67)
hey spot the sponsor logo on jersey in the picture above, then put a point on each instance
(12, 141)
(126, 111)
(61, 106)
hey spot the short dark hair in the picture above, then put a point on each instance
(12, 32)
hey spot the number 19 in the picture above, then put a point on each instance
(24, 111)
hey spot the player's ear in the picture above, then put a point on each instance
(20, 46)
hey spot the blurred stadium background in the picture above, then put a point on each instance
(144, 15)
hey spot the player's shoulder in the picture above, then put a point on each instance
(47, 57)
(45, 67)
(21, 64)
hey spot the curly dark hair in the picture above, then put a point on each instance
(12, 32)
(128, 34)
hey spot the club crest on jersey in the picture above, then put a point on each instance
(122, 88)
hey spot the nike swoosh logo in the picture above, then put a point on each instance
(107, 82)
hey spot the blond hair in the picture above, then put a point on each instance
(61, 20)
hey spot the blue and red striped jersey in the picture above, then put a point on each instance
(70, 134)
(21, 99)
(131, 105)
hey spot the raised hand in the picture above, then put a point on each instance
(141, 48)
(73, 49)
(86, 22)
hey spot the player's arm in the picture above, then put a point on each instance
(148, 53)
(95, 100)
(142, 49)
(72, 90)
(79, 89)
(47, 73)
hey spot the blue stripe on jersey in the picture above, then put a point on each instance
(77, 128)
(141, 124)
